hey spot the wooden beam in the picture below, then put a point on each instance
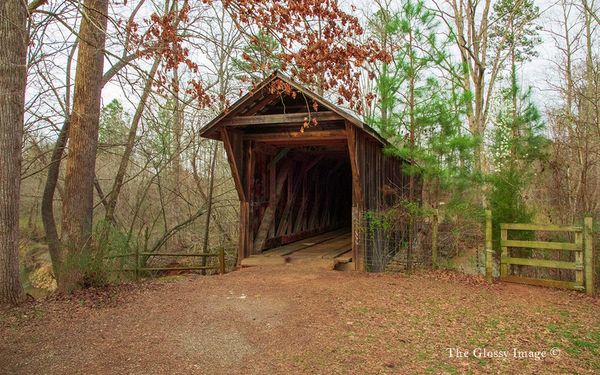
(273, 196)
(294, 142)
(356, 188)
(316, 203)
(294, 136)
(280, 155)
(269, 215)
(542, 263)
(286, 216)
(542, 227)
(287, 118)
(357, 198)
(261, 104)
(249, 171)
(543, 282)
(235, 171)
(299, 221)
(249, 232)
(543, 245)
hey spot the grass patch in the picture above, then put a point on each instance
(575, 339)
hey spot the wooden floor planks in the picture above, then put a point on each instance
(334, 247)
(303, 244)
(328, 249)
(345, 257)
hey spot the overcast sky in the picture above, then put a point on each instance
(538, 74)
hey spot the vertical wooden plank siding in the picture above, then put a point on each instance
(357, 197)
(244, 248)
(357, 256)
(337, 171)
(589, 255)
(378, 172)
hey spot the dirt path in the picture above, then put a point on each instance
(291, 320)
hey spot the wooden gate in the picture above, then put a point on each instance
(582, 247)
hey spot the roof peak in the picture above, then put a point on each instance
(278, 74)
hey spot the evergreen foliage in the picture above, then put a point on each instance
(114, 123)
(517, 144)
(259, 57)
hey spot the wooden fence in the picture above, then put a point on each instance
(582, 247)
(137, 268)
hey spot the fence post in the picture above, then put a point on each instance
(579, 264)
(434, 238)
(588, 255)
(222, 261)
(504, 254)
(137, 262)
(489, 252)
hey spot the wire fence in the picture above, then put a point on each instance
(384, 236)
(455, 242)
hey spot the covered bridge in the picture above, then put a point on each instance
(305, 172)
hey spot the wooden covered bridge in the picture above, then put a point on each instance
(305, 172)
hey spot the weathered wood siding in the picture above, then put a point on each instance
(285, 194)
(302, 166)
(382, 182)
(382, 179)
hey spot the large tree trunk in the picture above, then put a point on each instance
(13, 78)
(81, 160)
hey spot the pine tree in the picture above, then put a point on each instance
(113, 123)
(423, 116)
(514, 156)
(517, 139)
(259, 57)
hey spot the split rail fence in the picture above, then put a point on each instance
(137, 268)
(582, 247)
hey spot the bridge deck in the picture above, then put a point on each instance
(331, 248)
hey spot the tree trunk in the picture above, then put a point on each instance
(113, 196)
(48, 198)
(211, 185)
(200, 190)
(13, 78)
(513, 93)
(81, 160)
(589, 118)
(176, 170)
(411, 176)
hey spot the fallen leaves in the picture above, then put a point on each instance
(302, 320)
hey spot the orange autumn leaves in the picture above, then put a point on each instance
(318, 40)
